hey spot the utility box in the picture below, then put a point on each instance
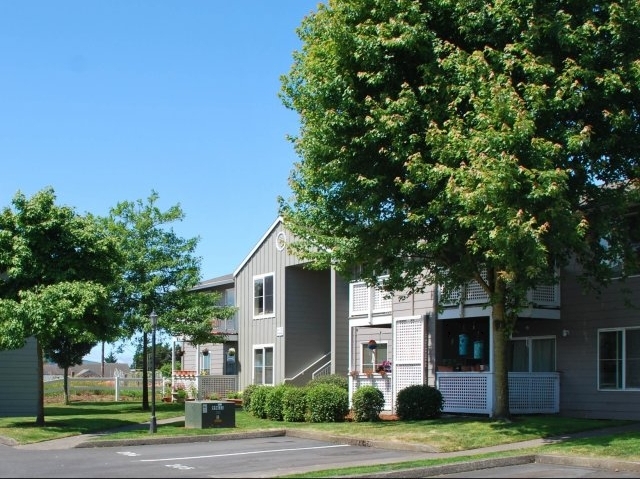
(206, 414)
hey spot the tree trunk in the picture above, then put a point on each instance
(65, 384)
(40, 413)
(500, 342)
(145, 374)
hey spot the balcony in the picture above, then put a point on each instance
(365, 300)
(472, 300)
(225, 326)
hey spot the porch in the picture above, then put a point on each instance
(472, 392)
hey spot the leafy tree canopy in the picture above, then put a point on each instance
(445, 141)
(56, 273)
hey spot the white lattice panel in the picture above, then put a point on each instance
(405, 375)
(454, 296)
(545, 295)
(380, 301)
(384, 384)
(531, 393)
(409, 340)
(359, 298)
(464, 392)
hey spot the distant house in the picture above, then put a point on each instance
(19, 377)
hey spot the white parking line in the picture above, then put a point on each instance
(243, 453)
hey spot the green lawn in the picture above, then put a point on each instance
(446, 434)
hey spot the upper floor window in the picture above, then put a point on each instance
(532, 355)
(263, 295)
(619, 358)
(228, 297)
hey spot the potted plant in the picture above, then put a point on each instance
(179, 393)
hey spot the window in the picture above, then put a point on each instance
(369, 358)
(532, 355)
(206, 363)
(263, 295)
(619, 358)
(263, 365)
(228, 297)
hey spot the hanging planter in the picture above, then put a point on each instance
(205, 352)
(231, 352)
(372, 344)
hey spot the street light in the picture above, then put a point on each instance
(153, 427)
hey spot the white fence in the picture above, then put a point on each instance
(115, 385)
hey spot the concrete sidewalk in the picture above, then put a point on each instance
(429, 452)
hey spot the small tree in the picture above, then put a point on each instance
(57, 269)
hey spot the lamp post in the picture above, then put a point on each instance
(153, 427)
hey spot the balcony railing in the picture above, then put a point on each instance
(364, 299)
(472, 392)
(543, 296)
(225, 326)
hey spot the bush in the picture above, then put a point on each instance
(367, 403)
(335, 379)
(246, 396)
(419, 401)
(294, 404)
(327, 403)
(259, 401)
(273, 402)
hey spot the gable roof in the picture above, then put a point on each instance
(225, 280)
(258, 244)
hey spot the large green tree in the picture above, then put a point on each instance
(57, 268)
(160, 270)
(447, 141)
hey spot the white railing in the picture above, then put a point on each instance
(364, 299)
(308, 368)
(226, 326)
(544, 296)
(324, 370)
(472, 392)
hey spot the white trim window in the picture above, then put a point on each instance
(205, 363)
(532, 355)
(263, 296)
(263, 364)
(619, 358)
(371, 358)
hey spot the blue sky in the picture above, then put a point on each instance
(107, 101)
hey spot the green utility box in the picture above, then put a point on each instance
(205, 414)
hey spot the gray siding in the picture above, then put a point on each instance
(307, 320)
(265, 258)
(340, 325)
(577, 353)
(417, 304)
(20, 377)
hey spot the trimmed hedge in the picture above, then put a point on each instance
(273, 402)
(259, 401)
(294, 404)
(327, 403)
(419, 401)
(335, 379)
(367, 403)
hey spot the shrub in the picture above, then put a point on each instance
(367, 403)
(259, 401)
(294, 404)
(273, 402)
(335, 379)
(246, 396)
(327, 403)
(419, 401)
